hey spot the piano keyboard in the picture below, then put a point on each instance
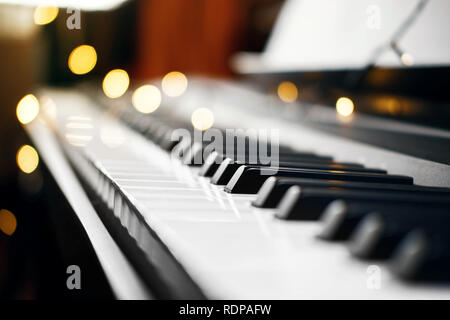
(319, 225)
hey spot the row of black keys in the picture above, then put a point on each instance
(381, 216)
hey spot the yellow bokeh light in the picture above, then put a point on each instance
(27, 159)
(174, 84)
(202, 119)
(407, 59)
(393, 106)
(287, 91)
(82, 59)
(45, 15)
(116, 83)
(344, 106)
(8, 222)
(146, 99)
(27, 109)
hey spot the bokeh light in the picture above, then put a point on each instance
(82, 59)
(287, 91)
(44, 15)
(174, 84)
(344, 106)
(8, 222)
(407, 59)
(202, 119)
(27, 159)
(116, 83)
(27, 109)
(146, 98)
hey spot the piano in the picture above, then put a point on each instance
(230, 191)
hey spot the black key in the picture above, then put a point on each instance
(340, 218)
(282, 152)
(308, 203)
(228, 167)
(193, 155)
(211, 164)
(158, 130)
(181, 148)
(222, 176)
(274, 188)
(231, 150)
(423, 256)
(379, 233)
(200, 151)
(249, 179)
(216, 157)
(163, 138)
(310, 157)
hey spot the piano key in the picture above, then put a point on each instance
(274, 188)
(249, 179)
(181, 148)
(118, 205)
(228, 167)
(340, 218)
(308, 203)
(214, 158)
(193, 155)
(233, 148)
(423, 256)
(211, 164)
(378, 234)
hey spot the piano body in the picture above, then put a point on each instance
(351, 205)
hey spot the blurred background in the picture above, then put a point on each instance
(148, 39)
